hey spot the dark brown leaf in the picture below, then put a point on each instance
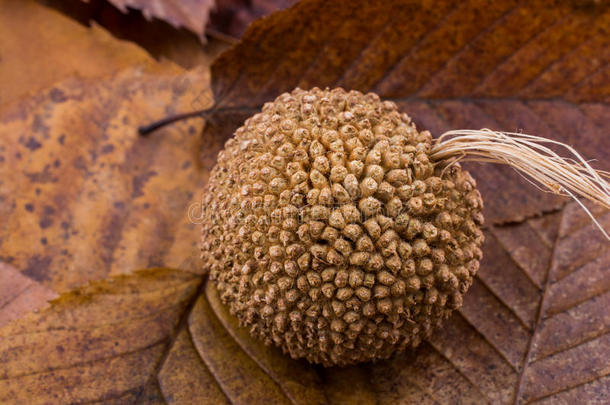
(232, 17)
(506, 65)
(190, 14)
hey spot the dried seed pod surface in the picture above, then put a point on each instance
(330, 233)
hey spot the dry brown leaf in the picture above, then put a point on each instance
(103, 342)
(183, 378)
(232, 17)
(507, 65)
(533, 326)
(190, 14)
(39, 47)
(83, 196)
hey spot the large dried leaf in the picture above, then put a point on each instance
(190, 14)
(82, 195)
(39, 46)
(510, 65)
(499, 347)
(103, 342)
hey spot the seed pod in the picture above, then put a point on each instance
(354, 226)
(335, 229)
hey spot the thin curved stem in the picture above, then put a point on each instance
(147, 129)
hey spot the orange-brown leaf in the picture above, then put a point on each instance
(192, 14)
(232, 17)
(82, 195)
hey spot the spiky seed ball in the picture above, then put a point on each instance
(330, 233)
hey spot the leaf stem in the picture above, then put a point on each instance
(147, 129)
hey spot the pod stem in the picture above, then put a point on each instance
(534, 161)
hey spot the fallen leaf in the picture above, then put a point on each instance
(20, 294)
(505, 65)
(184, 378)
(190, 14)
(39, 47)
(157, 37)
(83, 195)
(232, 17)
(102, 342)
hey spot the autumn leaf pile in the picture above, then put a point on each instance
(94, 216)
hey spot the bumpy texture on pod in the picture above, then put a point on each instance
(330, 233)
